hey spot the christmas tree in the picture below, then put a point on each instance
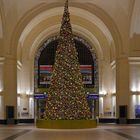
(66, 95)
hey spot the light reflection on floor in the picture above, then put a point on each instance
(102, 132)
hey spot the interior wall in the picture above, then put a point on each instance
(135, 19)
(25, 100)
(101, 107)
(31, 108)
(134, 49)
(1, 77)
(113, 107)
(1, 35)
(25, 107)
(134, 85)
(1, 91)
(134, 103)
(106, 75)
(107, 88)
(1, 88)
(25, 78)
(1, 108)
(135, 77)
(113, 78)
(18, 79)
(134, 45)
(1, 30)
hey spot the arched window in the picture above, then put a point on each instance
(45, 58)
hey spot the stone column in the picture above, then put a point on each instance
(10, 87)
(122, 86)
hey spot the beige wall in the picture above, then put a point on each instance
(1, 32)
(1, 76)
(1, 88)
(134, 75)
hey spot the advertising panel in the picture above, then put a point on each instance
(45, 72)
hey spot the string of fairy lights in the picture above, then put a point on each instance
(66, 95)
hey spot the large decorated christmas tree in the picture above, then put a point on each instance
(66, 95)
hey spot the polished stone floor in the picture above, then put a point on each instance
(102, 132)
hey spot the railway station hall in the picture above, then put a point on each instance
(70, 69)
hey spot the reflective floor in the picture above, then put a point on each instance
(102, 132)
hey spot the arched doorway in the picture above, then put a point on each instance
(44, 59)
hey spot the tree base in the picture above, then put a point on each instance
(66, 124)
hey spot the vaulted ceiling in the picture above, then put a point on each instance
(110, 26)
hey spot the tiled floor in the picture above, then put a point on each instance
(102, 132)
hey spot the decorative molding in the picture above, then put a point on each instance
(134, 60)
(134, 63)
(135, 92)
(2, 59)
(113, 64)
(23, 95)
(19, 65)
